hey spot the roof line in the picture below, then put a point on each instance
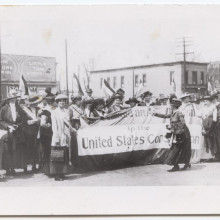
(150, 65)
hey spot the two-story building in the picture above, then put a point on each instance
(158, 78)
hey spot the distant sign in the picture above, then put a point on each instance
(34, 69)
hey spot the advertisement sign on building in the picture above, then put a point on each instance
(34, 69)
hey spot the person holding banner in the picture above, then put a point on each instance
(117, 104)
(146, 99)
(60, 155)
(11, 119)
(180, 139)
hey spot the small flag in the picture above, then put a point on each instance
(23, 87)
(80, 91)
(106, 88)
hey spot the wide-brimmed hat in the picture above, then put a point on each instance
(184, 95)
(34, 100)
(13, 94)
(61, 96)
(132, 100)
(117, 96)
(176, 102)
(88, 90)
(146, 94)
(120, 90)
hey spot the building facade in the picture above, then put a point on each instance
(39, 72)
(158, 78)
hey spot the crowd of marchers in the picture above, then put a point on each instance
(41, 130)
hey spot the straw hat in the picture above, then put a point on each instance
(184, 95)
(61, 96)
(34, 100)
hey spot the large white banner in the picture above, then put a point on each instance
(125, 138)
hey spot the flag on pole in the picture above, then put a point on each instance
(106, 88)
(80, 91)
(23, 87)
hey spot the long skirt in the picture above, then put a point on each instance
(180, 152)
(46, 148)
(60, 167)
(31, 151)
(13, 154)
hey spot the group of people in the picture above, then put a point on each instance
(41, 130)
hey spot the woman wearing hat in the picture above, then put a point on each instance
(11, 119)
(59, 160)
(117, 104)
(180, 140)
(97, 109)
(132, 102)
(31, 130)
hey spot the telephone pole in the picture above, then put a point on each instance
(184, 43)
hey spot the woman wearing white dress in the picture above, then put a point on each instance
(59, 163)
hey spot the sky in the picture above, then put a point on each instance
(104, 37)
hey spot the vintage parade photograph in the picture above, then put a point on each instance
(109, 95)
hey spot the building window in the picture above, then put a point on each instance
(122, 81)
(114, 82)
(136, 83)
(100, 82)
(187, 77)
(144, 80)
(171, 77)
(194, 77)
(108, 80)
(202, 78)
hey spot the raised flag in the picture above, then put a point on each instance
(23, 87)
(106, 88)
(80, 91)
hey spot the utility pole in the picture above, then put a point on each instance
(184, 44)
(67, 87)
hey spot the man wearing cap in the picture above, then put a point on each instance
(11, 119)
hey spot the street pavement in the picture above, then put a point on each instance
(147, 175)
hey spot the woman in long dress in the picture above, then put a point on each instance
(180, 140)
(59, 158)
(11, 119)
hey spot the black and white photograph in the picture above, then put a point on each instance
(109, 96)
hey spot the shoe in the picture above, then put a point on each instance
(186, 166)
(174, 169)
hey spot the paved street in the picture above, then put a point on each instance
(148, 175)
